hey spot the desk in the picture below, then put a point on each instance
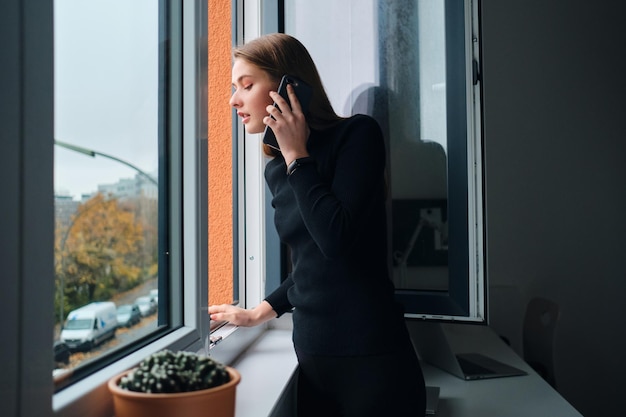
(522, 396)
(267, 367)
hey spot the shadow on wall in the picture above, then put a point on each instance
(417, 177)
(417, 168)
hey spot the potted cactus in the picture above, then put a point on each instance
(182, 383)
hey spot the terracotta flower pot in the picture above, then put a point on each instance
(215, 402)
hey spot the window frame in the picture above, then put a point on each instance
(27, 85)
(261, 261)
(29, 216)
(185, 204)
(465, 299)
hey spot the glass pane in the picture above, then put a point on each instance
(107, 92)
(412, 61)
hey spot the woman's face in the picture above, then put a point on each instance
(251, 88)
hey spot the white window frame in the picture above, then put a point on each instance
(252, 159)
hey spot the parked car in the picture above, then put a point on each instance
(154, 295)
(146, 305)
(90, 325)
(128, 315)
(62, 353)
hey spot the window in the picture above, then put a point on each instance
(171, 36)
(409, 64)
(176, 82)
(130, 215)
(110, 141)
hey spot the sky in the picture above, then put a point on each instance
(106, 91)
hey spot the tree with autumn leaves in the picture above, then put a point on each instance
(107, 246)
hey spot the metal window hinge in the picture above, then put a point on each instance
(214, 340)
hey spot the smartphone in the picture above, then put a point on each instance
(303, 92)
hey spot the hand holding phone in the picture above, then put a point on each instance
(303, 93)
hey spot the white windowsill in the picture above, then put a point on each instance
(266, 367)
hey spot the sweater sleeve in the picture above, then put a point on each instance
(278, 298)
(332, 212)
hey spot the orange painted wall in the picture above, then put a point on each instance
(220, 204)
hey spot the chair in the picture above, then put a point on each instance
(540, 323)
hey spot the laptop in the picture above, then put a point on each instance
(432, 347)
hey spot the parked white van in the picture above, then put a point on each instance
(90, 325)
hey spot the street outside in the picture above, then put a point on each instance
(123, 335)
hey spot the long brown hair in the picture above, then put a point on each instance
(279, 54)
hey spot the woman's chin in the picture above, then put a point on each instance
(254, 129)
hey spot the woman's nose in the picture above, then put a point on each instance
(234, 100)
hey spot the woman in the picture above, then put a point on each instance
(328, 184)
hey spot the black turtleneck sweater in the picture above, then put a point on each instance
(331, 213)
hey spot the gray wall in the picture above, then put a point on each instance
(554, 90)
